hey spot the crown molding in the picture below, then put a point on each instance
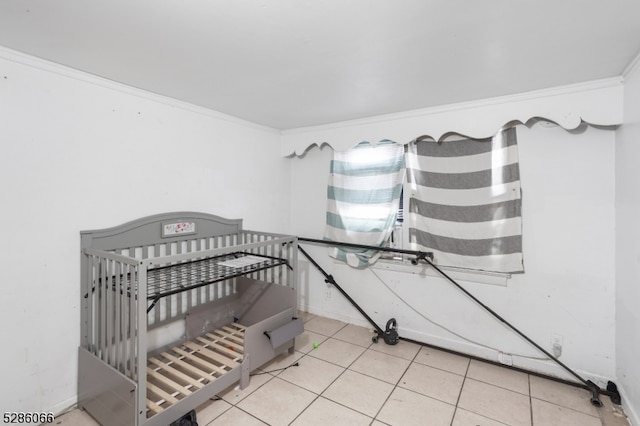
(597, 102)
(72, 73)
(633, 66)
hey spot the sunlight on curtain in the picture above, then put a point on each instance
(364, 190)
(465, 202)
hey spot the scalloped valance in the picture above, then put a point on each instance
(597, 103)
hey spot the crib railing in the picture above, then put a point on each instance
(110, 309)
(114, 292)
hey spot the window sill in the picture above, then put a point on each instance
(457, 274)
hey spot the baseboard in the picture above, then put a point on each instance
(547, 368)
(629, 409)
(543, 367)
(349, 319)
(64, 406)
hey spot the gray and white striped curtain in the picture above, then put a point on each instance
(363, 196)
(465, 202)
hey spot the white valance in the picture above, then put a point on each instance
(598, 103)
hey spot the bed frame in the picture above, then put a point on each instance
(177, 307)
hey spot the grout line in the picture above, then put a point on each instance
(411, 362)
(464, 379)
(319, 395)
(305, 408)
(530, 399)
(395, 386)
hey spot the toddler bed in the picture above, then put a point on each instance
(176, 308)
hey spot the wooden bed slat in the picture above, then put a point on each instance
(236, 337)
(233, 331)
(187, 366)
(167, 381)
(161, 393)
(211, 354)
(177, 373)
(234, 355)
(194, 363)
(226, 341)
(153, 407)
(202, 362)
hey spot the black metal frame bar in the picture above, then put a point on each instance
(427, 257)
(225, 274)
(419, 254)
(330, 280)
(158, 293)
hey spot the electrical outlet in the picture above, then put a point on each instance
(505, 358)
(556, 345)
(327, 294)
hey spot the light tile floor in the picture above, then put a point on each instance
(348, 380)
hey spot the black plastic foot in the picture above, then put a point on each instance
(595, 394)
(188, 419)
(613, 393)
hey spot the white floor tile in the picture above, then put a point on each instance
(337, 352)
(323, 412)
(380, 366)
(562, 394)
(325, 326)
(432, 382)
(343, 378)
(76, 418)
(211, 410)
(312, 374)
(359, 392)
(467, 418)
(408, 408)
(402, 349)
(499, 376)
(495, 403)
(277, 402)
(545, 413)
(357, 335)
(443, 360)
(234, 394)
(307, 341)
(235, 417)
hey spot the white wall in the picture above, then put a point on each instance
(628, 249)
(80, 153)
(569, 284)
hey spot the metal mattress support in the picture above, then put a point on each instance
(166, 280)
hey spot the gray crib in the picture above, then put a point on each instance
(177, 307)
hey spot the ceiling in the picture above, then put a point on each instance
(295, 63)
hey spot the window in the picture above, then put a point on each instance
(461, 200)
(362, 199)
(465, 202)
